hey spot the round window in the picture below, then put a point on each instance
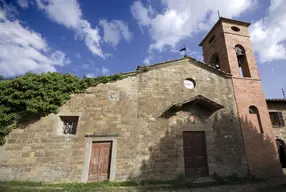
(234, 28)
(189, 83)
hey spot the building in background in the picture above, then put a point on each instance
(277, 112)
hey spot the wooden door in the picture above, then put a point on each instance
(99, 161)
(195, 155)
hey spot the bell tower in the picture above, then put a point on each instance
(228, 47)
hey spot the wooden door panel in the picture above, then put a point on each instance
(99, 161)
(94, 160)
(195, 155)
(106, 157)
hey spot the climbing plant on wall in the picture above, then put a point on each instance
(36, 95)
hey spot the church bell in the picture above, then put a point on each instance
(240, 55)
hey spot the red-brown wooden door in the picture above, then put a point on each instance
(195, 154)
(99, 161)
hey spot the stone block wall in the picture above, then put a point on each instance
(147, 146)
(35, 154)
(161, 137)
(279, 132)
(40, 153)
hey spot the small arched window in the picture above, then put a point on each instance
(254, 110)
(242, 61)
(214, 61)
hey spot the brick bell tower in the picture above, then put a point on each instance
(228, 47)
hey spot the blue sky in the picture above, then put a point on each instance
(89, 37)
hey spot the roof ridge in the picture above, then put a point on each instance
(139, 68)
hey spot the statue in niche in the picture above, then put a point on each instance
(69, 127)
(113, 95)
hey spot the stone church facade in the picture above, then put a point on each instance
(181, 117)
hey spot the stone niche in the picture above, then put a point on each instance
(66, 124)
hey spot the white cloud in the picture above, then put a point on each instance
(60, 58)
(77, 55)
(196, 55)
(90, 65)
(2, 14)
(98, 72)
(23, 50)
(104, 71)
(90, 75)
(114, 31)
(147, 60)
(7, 10)
(268, 34)
(68, 13)
(86, 66)
(179, 19)
(23, 3)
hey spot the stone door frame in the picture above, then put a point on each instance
(87, 154)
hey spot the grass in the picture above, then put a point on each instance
(179, 183)
(235, 179)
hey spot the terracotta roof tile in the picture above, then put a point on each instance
(276, 100)
(201, 64)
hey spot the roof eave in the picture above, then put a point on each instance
(278, 100)
(225, 20)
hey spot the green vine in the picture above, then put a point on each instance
(37, 95)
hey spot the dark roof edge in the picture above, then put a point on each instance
(162, 63)
(235, 21)
(209, 67)
(132, 73)
(225, 20)
(200, 64)
(276, 100)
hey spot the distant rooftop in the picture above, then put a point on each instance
(276, 100)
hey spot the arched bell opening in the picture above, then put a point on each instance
(242, 61)
(214, 61)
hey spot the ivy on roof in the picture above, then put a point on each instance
(37, 95)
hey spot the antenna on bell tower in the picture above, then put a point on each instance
(283, 92)
(218, 14)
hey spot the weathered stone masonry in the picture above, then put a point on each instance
(144, 118)
(38, 152)
(277, 112)
(276, 105)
